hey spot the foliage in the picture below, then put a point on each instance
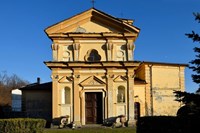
(196, 62)
(22, 125)
(188, 98)
(191, 101)
(167, 124)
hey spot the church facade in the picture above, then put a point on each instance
(95, 76)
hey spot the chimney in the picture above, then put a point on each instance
(38, 80)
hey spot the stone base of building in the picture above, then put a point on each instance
(76, 124)
(131, 123)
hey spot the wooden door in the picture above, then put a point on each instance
(93, 107)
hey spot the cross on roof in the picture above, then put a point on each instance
(93, 1)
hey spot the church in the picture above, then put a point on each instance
(95, 77)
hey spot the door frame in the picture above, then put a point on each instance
(104, 101)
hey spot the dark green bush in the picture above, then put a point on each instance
(167, 124)
(22, 125)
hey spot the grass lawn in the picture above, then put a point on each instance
(93, 130)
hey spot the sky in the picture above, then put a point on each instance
(163, 23)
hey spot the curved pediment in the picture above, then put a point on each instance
(92, 21)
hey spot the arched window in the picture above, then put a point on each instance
(92, 55)
(121, 94)
(66, 92)
(137, 110)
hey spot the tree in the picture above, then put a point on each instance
(191, 101)
(7, 84)
(11, 82)
(196, 62)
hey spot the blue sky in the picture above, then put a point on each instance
(163, 23)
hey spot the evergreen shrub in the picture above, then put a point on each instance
(22, 125)
(167, 124)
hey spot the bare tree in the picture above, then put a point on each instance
(11, 82)
(7, 84)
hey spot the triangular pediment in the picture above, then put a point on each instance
(65, 79)
(92, 81)
(92, 21)
(120, 79)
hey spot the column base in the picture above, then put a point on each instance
(131, 123)
(76, 124)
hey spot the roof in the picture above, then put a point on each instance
(138, 81)
(164, 63)
(36, 86)
(102, 19)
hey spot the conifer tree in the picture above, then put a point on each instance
(196, 62)
(191, 100)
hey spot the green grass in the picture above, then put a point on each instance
(93, 130)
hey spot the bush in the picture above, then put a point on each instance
(167, 124)
(22, 125)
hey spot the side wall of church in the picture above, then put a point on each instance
(166, 79)
(161, 80)
(143, 73)
(139, 97)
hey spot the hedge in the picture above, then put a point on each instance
(22, 125)
(167, 124)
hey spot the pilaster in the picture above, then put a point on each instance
(76, 98)
(130, 48)
(148, 92)
(182, 78)
(55, 96)
(55, 48)
(130, 93)
(110, 76)
(76, 48)
(109, 50)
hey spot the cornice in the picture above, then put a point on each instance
(84, 36)
(109, 64)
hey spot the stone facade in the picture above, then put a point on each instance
(95, 77)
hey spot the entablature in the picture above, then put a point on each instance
(91, 36)
(107, 64)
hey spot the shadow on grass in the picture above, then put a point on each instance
(93, 130)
